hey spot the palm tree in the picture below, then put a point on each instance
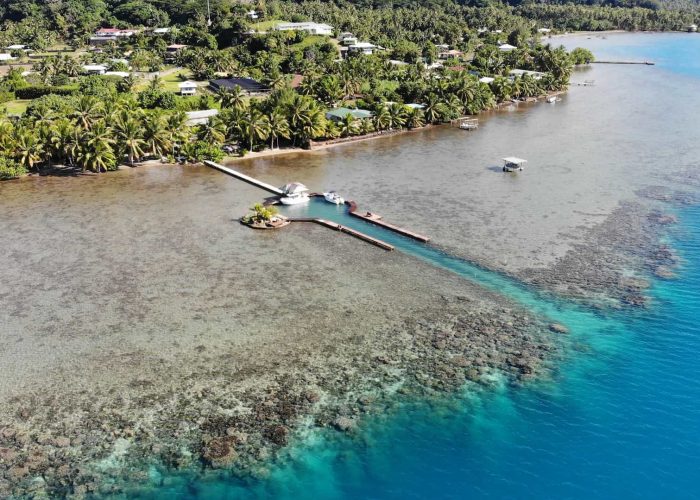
(213, 132)
(87, 111)
(254, 127)
(348, 125)
(232, 98)
(129, 134)
(502, 89)
(156, 136)
(397, 115)
(96, 155)
(433, 109)
(382, 118)
(279, 127)
(6, 137)
(29, 150)
(415, 118)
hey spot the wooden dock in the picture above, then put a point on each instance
(339, 227)
(244, 178)
(377, 220)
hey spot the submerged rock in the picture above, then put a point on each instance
(558, 328)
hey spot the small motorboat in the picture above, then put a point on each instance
(294, 194)
(333, 197)
(553, 98)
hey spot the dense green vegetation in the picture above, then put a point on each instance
(97, 122)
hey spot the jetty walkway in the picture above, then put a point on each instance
(352, 210)
(245, 178)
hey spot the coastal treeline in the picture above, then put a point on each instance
(105, 122)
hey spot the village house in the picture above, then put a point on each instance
(95, 69)
(310, 27)
(339, 114)
(188, 88)
(365, 48)
(248, 84)
(347, 38)
(514, 73)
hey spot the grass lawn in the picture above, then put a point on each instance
(265, 25)
(308, 41)
(16, 107)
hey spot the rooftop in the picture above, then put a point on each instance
(245, 83)
(341, 113)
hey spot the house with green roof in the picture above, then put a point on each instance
(339, 114)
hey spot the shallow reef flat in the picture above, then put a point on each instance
(156, 329)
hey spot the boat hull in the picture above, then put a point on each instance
(294, 200)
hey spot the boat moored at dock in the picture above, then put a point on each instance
(294, 194)
(333, 197)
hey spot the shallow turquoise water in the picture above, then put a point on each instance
(621, 418)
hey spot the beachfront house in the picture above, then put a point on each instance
(95, 69)
(506, 47)
(248, 84)
(187, 88)
(339, 114)
(200, 117)
(515, 73)
(310, 27)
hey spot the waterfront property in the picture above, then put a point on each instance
(514, 73)
(339, 114)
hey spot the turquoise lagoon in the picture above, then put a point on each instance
(621, 418)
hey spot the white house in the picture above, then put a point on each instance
(310, 27)
(522, 72)
(252, 14)
(120, 74)
(693, 28)
(17, 47)
(6, 57)
(363, 48)
(161, 31)
(188, 88)
(114, 33)
(486, 79)
(347, 38)
(544, 31)
(506, 47)
(95, 69)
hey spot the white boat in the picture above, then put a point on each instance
(333, 197)
(512, 163)
(553, 98)
(294, 194)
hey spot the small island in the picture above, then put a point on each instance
(264, 217)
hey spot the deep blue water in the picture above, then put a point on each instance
(620, 419)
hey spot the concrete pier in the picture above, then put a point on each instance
(245, 178)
